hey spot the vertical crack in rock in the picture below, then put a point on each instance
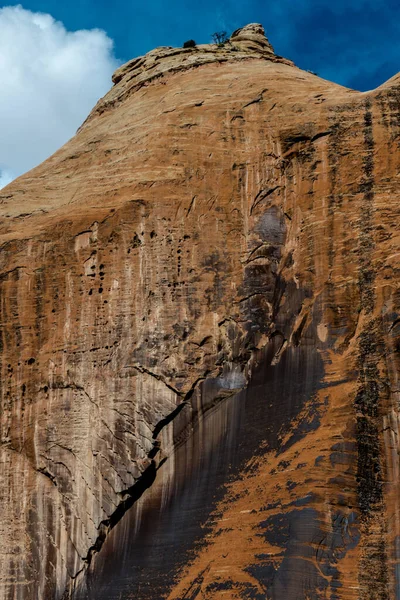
(368, 402)
(373, 566)
(366, 273)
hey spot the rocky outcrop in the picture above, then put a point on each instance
(200, 338)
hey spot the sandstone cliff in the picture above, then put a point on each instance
(200, 338)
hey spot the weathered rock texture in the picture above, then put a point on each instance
(200, 332)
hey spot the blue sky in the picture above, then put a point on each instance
(57, 56)
(352, 42)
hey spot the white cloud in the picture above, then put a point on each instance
(50, 78)
(5, 178)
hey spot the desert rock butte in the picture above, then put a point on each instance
(200, 340)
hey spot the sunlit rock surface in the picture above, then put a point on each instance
(200, 338)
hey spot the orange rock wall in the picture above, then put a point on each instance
(224, 232)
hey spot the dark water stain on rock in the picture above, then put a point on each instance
(311, 550)
(142, 555)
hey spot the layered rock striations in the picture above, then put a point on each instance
(200, 329)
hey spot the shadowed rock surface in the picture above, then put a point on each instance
(200, 337)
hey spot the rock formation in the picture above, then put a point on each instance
(200, 339)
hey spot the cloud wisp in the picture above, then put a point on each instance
(50, 80)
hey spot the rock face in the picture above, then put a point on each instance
(200, 340)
